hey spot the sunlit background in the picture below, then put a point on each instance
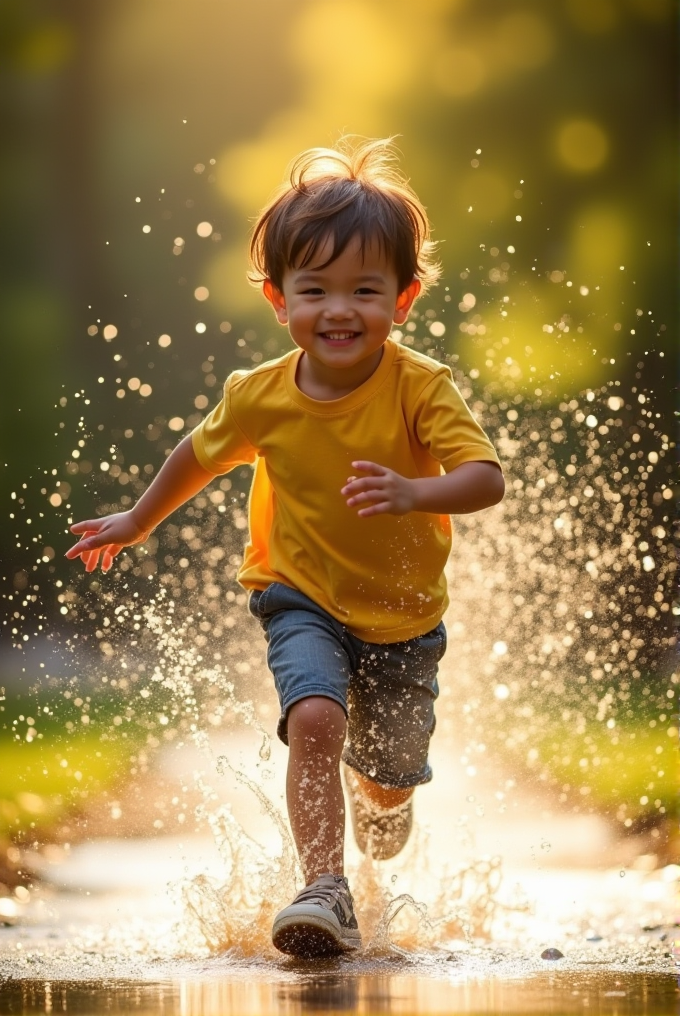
(140, 137)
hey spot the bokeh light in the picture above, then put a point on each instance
(582, 145)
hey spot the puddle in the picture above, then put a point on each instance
(329, 990)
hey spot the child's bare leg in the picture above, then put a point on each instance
(384, 797)
(316, 805)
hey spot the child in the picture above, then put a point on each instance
(362, 450)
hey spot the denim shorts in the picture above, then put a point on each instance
(387, 691)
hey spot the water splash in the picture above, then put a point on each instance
(236, 913)
(559, 628)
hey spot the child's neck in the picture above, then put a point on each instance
(318, 381)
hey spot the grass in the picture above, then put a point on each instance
(44, 780)
(55, 763)
(635, 768)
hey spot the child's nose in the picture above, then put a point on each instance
(338, 309)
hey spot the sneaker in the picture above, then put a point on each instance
(319, 922)
(385, 829)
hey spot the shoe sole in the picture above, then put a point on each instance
(310, 937)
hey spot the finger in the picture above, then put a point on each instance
(367, 495)
(370, 467)
(376, 509)
(78, 550)
(92, 526)
(365, 483)
(109, 554)
(91, 560)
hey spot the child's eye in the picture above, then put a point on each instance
(312, 291)
(366, 291)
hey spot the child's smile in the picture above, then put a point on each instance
(340, 315)
(339, 338)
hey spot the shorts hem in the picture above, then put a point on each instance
(387, 781)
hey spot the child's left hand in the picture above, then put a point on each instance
(385, 491)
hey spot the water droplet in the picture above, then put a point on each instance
(266, 747)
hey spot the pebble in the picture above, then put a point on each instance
(593, 936)
(552, 954)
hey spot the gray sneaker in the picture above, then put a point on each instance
(319, 922)
(386, 829)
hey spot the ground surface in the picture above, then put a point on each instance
(110, 926)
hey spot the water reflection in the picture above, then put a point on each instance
(564, 992)
(327, 994)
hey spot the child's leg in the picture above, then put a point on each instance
(391, 719)
(316, 805)
(384, 797)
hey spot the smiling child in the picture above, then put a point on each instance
(362, 450)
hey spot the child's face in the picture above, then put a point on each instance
(343, 313)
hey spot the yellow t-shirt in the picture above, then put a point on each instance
(380, 576)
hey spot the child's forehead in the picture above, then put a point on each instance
(356, 260)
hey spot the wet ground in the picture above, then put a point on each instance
(332, 990)
(109, 930)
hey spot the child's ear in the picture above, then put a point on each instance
(276, 299)
(405, 301)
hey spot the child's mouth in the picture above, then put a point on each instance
(344, 338)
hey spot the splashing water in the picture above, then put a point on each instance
(559, 633)
(237, 913)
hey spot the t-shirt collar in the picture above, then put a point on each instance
(347, 402)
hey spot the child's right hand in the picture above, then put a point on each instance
(105, 538)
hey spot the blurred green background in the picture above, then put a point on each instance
(549, 128)
(141, 136)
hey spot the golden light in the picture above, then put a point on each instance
(459, 72)
(487, 193)
(164, 341)
(47, 49)
(227, 281)
(600, 243)
(592, 16)
(372, 53)
(523, 40)
(204, 229)
(582, 145)
(109, 332)
(201, 293)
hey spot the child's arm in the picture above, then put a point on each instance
(180, 477)
(469, 488)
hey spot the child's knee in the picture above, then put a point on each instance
(318, 722)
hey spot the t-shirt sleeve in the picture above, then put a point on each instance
(219, 443)
(447, 428)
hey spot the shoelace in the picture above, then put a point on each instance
(324, 893)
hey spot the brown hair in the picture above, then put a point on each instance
(354, 190)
